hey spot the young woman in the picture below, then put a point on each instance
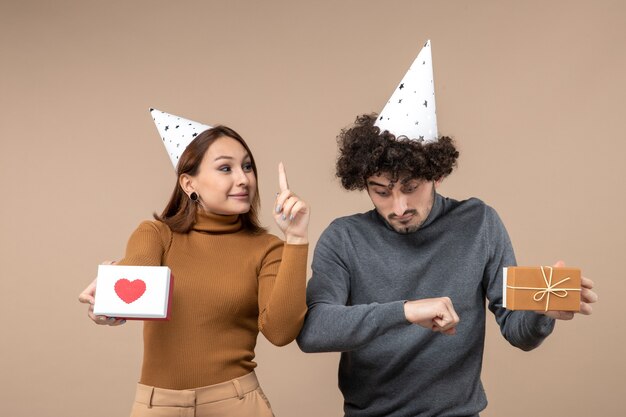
(232, 280)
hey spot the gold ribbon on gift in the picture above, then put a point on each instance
(549, 289)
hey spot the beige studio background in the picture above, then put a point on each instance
(533, 91)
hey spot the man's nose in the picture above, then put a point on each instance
(399, 205)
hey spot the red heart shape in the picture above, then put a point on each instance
(129, 291)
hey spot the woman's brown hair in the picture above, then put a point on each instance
(180, 212)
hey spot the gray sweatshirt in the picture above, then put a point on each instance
(363, 271)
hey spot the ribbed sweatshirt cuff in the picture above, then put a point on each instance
(391, 314)
(298, 252)
(296, 245)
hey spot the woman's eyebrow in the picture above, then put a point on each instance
(223, 157)
(246, 156)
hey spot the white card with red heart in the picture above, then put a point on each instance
(133, 292)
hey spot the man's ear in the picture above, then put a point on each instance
(187, 183)
(438, 182)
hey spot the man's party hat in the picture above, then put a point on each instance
(411, 110)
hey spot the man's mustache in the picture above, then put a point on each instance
(393, 215)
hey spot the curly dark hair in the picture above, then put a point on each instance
(365, 151)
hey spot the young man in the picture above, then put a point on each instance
(416, 258)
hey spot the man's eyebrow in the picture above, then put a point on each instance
(376, 183)
(408, 180)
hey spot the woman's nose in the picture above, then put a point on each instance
(242, 178)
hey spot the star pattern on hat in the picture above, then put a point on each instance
(411, 110)
(176, 132)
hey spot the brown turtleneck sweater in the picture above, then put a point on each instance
(228, 286)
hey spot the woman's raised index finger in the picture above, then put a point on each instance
(282, 178)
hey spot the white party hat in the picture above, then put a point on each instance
(411, 110)
(176, 132)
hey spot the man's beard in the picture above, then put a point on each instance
(409, 229)
(402, 229)
(405, 229)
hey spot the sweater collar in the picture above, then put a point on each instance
(217, 223)
(435, 213)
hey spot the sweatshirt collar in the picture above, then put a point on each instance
(435, 212)
(217, 223)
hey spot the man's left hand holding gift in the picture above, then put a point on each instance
(587, 297)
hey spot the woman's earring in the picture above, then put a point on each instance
(193, 196)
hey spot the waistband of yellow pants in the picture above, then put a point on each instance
(238, 387)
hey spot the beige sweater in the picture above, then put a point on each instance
(228, 286)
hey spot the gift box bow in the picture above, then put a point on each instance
(549, 289)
